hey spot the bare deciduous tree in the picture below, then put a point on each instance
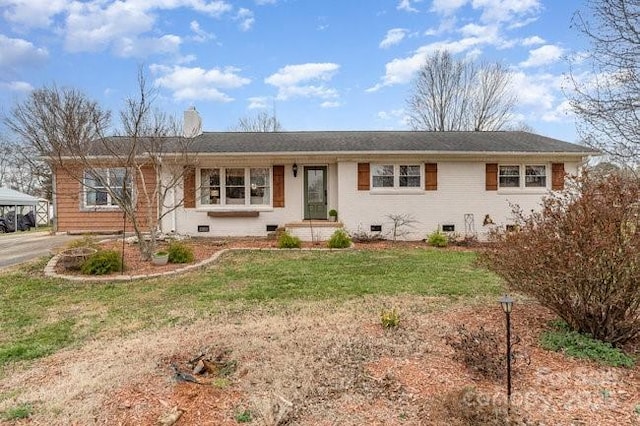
(451, 94)
(22, 169)
(70, 131)
(607, 100)
(263, 122)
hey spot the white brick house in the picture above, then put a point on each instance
(248, 184)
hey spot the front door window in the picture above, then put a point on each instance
(315, 194)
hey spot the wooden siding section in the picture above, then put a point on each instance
(71, 216)
(431, 176)
(189, 194)
(363, 176)
(491, 177)
(278, 186)
(557, 176)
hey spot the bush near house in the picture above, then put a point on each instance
(286, 240)
(102, 262)
(579, 256)
(339, 239)
(180, 253)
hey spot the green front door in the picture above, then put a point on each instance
(315, 192)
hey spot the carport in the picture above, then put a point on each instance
(14, 200)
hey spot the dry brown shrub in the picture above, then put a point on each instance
(481, 351)
(579, 256)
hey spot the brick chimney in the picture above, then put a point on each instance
(192, 125)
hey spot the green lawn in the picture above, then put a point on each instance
(39, 316)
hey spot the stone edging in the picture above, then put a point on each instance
(50, 268)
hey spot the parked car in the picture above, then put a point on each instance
(24, 222)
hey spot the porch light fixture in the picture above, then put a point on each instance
(294, 168)
(507, 306)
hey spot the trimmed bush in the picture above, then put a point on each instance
(102, 262)
(286, 240)
(437, 239)
(180, 253)
(339, 239)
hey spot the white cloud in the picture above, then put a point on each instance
(127, 27)
(402, 70)
(406, 5)
(200, 34)
(17, 53)
(198, 83)
(299, 80)
(330, 104)
(532, 41)
(33, 13)
(511, 11)
(394, 36)
(17, 86)
(258, 102)
(245, 16)
(537, 92)
(390, 115)
(141, 47)
(447, 7)
(544, 55)
(560, 113)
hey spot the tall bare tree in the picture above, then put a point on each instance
(607, 100)
(22, 169)
(262, 122)
(70, 130)
(452, 94)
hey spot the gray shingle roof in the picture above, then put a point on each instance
(382, 141)
(343, 142)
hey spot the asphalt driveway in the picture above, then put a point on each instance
(19, 247)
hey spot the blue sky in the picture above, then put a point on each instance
(323, 64)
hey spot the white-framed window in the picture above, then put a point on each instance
(509, 176)
(235, 186)
(535, 176)
(396, 175)
(522, 176)
(97, 182)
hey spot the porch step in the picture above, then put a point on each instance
(313, 230)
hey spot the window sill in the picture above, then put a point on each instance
(234, 213)
(100, 209)
(523, 191)
(390, 191)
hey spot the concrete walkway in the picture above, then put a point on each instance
(19, 247)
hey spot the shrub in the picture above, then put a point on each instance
(437, 239)
(480, 351)
(333, 212)
(339, 239)
(286, 240)
(389, 318)
(579, 256)
(580, 346)
(180, 253)
(102, 262)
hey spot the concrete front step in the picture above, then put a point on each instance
(313, 230)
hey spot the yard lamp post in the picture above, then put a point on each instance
(507, 305)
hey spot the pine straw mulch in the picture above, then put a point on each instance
(319, 363)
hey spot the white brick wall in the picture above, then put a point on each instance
(461, 190)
